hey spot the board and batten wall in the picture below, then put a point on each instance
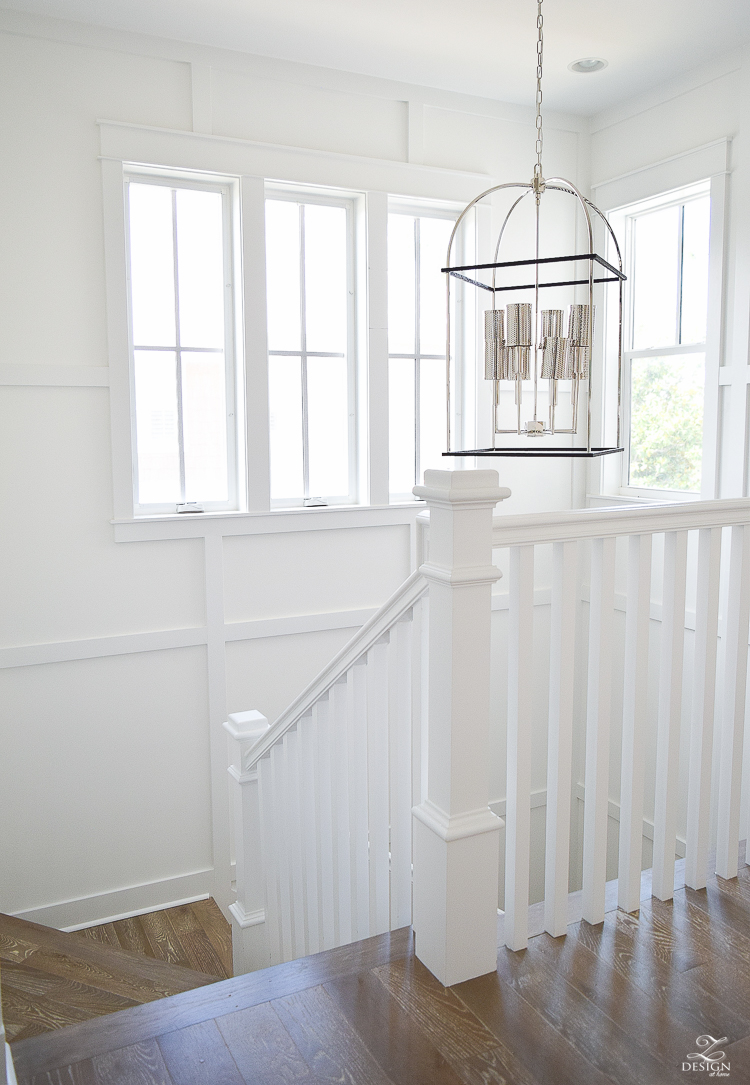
(123, 647)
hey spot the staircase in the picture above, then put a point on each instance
(51, 979)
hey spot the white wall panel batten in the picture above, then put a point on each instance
(225, 154)
(737, 610)
(399, 741)
(217, 713)
(634, 721)
(339, 699)
(598, 713)
(560, 736)
(520, 722)
(702, 715)
(31, 655)
(670, 712)
(54, 376)
(357, 745)
(307, 729)
(377, 785)
(200, 87)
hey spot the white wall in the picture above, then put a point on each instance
(120, 658)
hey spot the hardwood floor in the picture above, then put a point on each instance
(194, 935)
(51, 980)
(618, 1004)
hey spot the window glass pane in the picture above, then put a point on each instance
(695, 233)
(433, 246)
(666, 426)
(151, 265)
(328, 427)
(204, 426)
(325, 279)
(156, 427)
(431, 415)
(655, 279)
(200, 268)
(401, 425)
(401, 284)
(285, 419)
(282, 275)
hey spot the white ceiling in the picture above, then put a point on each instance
(483, 47)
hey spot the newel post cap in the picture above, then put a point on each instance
(473, 489)
(246, 726)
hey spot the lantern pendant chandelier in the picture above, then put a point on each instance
(541, 361)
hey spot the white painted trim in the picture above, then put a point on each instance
(10, 1073)
(136, 143)
(128, 900)
(717, 151)
(203, 525)
(301, 623)
(54, 376)
(295, 72)
(667, 92)
(131, 915)
(66, 651)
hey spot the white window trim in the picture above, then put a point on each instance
(420, 209)
(353, 203)
(251, 166)
(227, 187)
(654, 186)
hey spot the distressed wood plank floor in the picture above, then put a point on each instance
(622, 1003)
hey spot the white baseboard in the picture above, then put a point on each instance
(10, 1073)
(70, 915)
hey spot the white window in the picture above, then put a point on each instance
(417, 247)
(311, 354)
(667, 263)
(183, 371)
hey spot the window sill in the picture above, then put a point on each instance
(194, 525)
(642, 497)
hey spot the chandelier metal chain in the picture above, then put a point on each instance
(539, 63)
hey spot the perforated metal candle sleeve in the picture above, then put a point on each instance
(527, 345)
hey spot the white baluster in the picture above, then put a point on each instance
(670, 712)
(281, 817)
(269, 831)
(324, 818)
(307, 730)
(634, 703)
(340, 796)
(598, 712)
(520, 719)
(360, 867)
(559, 754)
(733, 706)
(704, 692)
(294, 843)
(250, 946)
(399, 741)
(377, 784)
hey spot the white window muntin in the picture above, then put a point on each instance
(329, 198)
(226, 187)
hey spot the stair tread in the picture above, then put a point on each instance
(143, 1023)
(18, 936)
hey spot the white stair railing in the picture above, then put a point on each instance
(323, 797)
(698, 567)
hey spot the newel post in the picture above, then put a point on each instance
(249, 938)
(455, 833)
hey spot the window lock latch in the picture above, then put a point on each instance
(190, 506)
